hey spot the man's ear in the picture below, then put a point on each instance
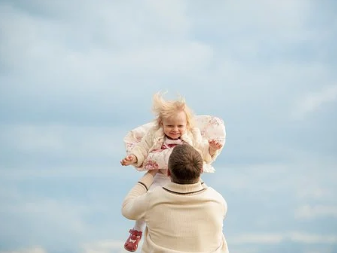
(202, 170)
(168, 173)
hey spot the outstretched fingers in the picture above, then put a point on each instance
(127, 160)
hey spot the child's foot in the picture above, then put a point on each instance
(131, 243)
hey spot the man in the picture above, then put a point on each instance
(183, 216)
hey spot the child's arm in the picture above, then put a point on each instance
(130, 159)
(139, 152)
(214, 146)
(209, 149)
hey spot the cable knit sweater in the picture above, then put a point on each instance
(179, 217)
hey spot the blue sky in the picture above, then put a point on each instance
(75, 76)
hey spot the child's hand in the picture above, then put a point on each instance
(130, 159)
(214, 146)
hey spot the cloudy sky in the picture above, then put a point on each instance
(76, 75)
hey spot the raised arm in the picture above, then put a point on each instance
(140, 151)
(135, 203)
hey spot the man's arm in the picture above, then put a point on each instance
(135, 203)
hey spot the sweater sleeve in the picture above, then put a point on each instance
(135, 203)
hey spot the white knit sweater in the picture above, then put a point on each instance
(179, 218)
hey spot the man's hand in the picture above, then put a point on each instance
(130, 159)
(152, 172)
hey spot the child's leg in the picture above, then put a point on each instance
(139, 225)
(135, 236)
(131, 243)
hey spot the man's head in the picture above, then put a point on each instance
(185, 165)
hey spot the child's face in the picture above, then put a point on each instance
(175, 126)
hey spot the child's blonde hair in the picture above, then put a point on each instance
(164, 109)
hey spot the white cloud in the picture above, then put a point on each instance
(320, 250)
(252, 177)
(246, 250)
(72, 172)
(28, 250)
(256, 238)
(315, 191)
(313, 238)
(174, 59)
(111, 40)
(313, 101)
(315, 211)
(64, 140)
(276, 238)
(60, 215)
(276, 177)
(107, 246)
(285, 14)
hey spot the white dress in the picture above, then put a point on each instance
(211, 128)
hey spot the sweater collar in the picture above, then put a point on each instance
(184, 188)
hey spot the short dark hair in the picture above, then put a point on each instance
(185, 164)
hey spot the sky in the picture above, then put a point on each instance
(77, 75)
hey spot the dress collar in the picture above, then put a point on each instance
(184, 189)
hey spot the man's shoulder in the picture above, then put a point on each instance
(214, 193)
(153, 193)
(156, 195)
